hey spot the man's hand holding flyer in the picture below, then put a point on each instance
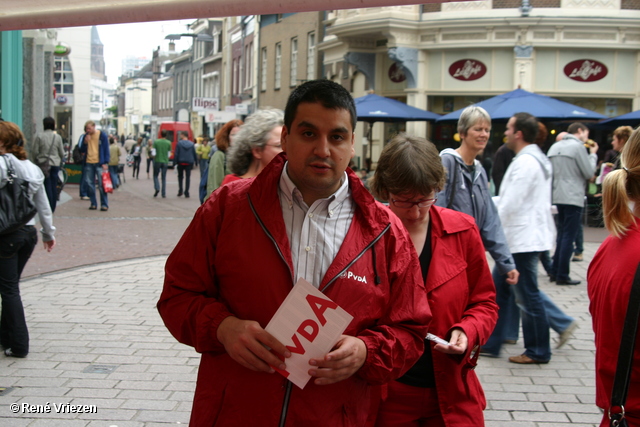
(309, 324)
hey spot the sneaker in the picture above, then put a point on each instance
(155, 194)
(565, 336)
(523, 359)
(510, 341)
(577, 258)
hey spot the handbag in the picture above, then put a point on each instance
(106, 182)
(16, 207)
(625, 356)
(46, 165)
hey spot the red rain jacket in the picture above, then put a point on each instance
(235, 259)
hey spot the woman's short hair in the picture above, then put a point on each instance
(623, 133)
(254, 133)
(408, 165)
(470, 116)
(12, 139)
(222, 136)
(622, 186)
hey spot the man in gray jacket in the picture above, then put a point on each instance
(47, 147)
(572, 167)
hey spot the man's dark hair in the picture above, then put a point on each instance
(163, 133)
(49, 123)
(528, 125)
(575, 127)
(184, 133)
(329, 94)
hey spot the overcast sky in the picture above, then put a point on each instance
(140, 40)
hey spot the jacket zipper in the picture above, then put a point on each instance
(287, 393)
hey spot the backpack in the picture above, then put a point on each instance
(77, 156)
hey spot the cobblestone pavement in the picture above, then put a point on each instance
(97, 339)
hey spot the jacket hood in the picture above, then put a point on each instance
(543, 160)
(457, 156)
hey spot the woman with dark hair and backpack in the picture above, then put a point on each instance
(16, 246)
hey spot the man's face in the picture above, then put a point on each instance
(90, 129)
(510, 133)
(319, 146)
(583, 134)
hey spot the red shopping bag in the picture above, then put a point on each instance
(106, 182)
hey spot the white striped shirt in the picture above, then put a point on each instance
(317, 232)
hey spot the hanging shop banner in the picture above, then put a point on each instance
(467, 69)
(396, 73)
(585, 70)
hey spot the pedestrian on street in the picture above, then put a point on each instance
(304, 216)
(114, 160)
(572, 167)
(185, 157)
(136, 152)
(218, 168)
(204, 153)
(16, 246)
(160, 163)
(95, 147)
(459, 289)
(255, 145)
(47, 149)
(149, 155)
(610, 276)
(525, 205)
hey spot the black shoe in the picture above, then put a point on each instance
(180, 194)
(552, 278)
(156, 193)
(569, 281)
(164, 197)
(186, 195)
(10, 353)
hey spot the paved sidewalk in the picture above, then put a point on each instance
(97, 339)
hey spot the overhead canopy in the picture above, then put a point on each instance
(32, 14)
(629, 119)
(375, 108)
(502, 107)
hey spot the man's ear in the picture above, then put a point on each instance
(283, 138)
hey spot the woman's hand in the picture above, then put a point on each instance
(49, 245)
(458, 343)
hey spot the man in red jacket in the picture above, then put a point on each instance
(304, 216)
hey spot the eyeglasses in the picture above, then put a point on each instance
(404, 204)
(278, 146)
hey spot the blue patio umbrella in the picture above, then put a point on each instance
(503, 107)
(629, 119)
(375, 108)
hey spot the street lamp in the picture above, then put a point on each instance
(196, 37)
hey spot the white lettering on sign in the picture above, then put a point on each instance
(469, 69)
(206, 104)
(586, 70)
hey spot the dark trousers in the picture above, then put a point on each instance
(186, 171)
(569, 217)
(50, 187)
(149, 163)
(15, 250)
(136, 166)
(160, 169)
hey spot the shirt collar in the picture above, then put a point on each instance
(292, 194)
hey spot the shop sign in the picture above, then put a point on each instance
(61, 99)
(396, 73)
(62, 49)
(585, 70)
(467, 69)
(202, 104)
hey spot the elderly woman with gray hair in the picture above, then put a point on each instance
(255, 145)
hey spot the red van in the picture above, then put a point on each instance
(172, 129)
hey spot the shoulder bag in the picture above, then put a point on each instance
(16, 207)
(625, 356)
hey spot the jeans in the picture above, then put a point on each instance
(547, 264)
(149, 163)
(579, 242)
(15, 250)
(157, 168)
(51, 187)
(535, 325)
(93, 171)
(203, 166)
(558, 320)
(186, 170)
(569, 217)
(136, 166)
(113, 171)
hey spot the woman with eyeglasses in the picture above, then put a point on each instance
(16, 246)
(255, 145)
(460, 291)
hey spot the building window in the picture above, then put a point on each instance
(235, 85)
(248, 55)
(311, 56)
(294, 61)
(263, 69)
(62, 75)
(278, 70)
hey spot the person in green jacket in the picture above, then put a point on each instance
(218, 162)
(161, 147)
